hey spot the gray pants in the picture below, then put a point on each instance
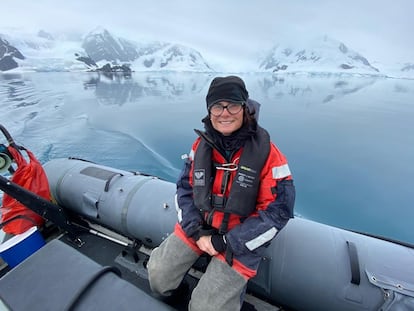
(220, 287)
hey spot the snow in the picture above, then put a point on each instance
(317, 56)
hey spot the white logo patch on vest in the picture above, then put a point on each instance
(199, 177)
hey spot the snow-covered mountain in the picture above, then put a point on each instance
(8, 53)
(43, 51)
(171, 57)
(321, 55)
(101, 46)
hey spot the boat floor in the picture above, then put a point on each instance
(132, 265)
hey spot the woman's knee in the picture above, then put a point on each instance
(156, 271)
(220, 288)
(168, 265)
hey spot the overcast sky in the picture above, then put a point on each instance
(380, 30)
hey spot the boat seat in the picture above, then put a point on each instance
(58, 277)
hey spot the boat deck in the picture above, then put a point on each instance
(132, 264)
(113, 250)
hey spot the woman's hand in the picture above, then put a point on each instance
(204, 243)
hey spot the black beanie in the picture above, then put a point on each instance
(229, 88)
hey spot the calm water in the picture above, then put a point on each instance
(349, 141)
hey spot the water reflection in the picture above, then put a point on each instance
(118, 88)
(313, 88)
(10, 76)
(348, 139)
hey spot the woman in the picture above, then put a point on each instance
(234, 194)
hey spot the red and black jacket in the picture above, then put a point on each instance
(248, 197)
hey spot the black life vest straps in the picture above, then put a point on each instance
(245, 186)
(243, 193)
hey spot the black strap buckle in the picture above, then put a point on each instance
(218, 201)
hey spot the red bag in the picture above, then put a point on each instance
(32, 177)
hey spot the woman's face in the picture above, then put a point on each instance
(227, 123)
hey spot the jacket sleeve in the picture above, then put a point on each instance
(259, 229)
(189, 217)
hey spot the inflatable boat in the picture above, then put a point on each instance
(103, 223)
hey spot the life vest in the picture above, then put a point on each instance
(31, 176)
(244, 189)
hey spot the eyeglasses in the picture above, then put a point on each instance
(233, 108)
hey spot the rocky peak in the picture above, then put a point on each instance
(7, 55)
(101, 45)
